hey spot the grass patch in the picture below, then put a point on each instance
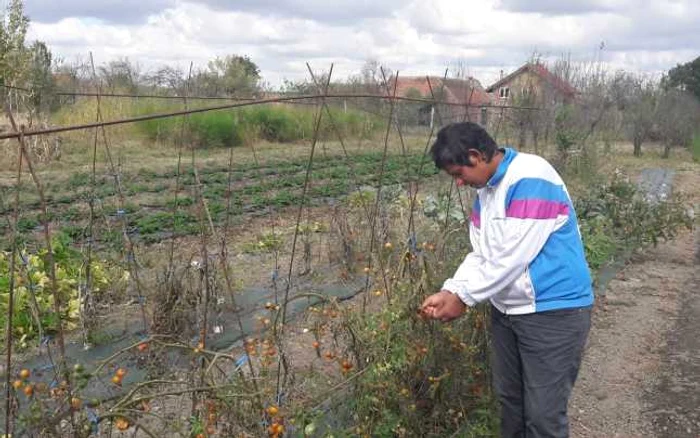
(26, 224)
(185, 201)
(223, 128)
(159, 222)
(695, 148)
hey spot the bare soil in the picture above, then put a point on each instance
(641, 372)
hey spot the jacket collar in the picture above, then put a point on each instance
(509, 155)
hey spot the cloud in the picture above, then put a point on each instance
(336, 11)
(569, 7)
(415, 37)
(111, 11)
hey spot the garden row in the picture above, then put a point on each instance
(149, 210)
(388, 371)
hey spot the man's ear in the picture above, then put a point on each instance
(475, 157)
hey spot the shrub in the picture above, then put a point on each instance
(224, 128)
(615, 216)
(277, 124)
(218, 129)
(281, 124)
(33, 312)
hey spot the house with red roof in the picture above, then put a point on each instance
(532, 85)
(458, 99)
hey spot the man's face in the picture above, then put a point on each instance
(475, 176)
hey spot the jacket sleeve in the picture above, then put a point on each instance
(514, 242)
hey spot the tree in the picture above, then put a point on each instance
(72, 77)
(678, 118)
(23, 66)
(13, 52)
(166, 77)
(233, 75)
(370, 80)
(636, 99)
(41, 80)
(121, 75)
(685, 77)
(308, 87)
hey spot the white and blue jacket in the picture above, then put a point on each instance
(527, 251)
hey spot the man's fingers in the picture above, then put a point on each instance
(440, 314)
(428, 310)
(444, 315)
(450, 310)
(430, 301)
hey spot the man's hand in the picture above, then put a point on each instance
(444, 306)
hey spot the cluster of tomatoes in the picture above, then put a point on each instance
(122, 424)
(23, 384)
(212, 418)
(28, 388)
(276, 428)
(345, 365)
(118, 376)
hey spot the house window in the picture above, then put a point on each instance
(504, 92)
(484, 116)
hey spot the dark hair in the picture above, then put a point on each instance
(456, 139)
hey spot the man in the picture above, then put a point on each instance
(528, 260)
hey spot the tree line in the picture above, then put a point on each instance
(633, 106)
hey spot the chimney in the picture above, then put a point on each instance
(501, 74)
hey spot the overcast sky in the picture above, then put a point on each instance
(415, 37)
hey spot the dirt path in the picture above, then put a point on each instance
(641, 372)
(675, 405)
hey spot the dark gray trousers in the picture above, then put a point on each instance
(536, 358)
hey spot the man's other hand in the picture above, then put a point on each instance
(444, 306)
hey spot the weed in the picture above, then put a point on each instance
(79, 180)
(71, 214)
(267, 242)
(34, 311)
(183, 201)
(73, 231)
(27, 224)
(184, 223)
(285, 198)
(615, 216)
